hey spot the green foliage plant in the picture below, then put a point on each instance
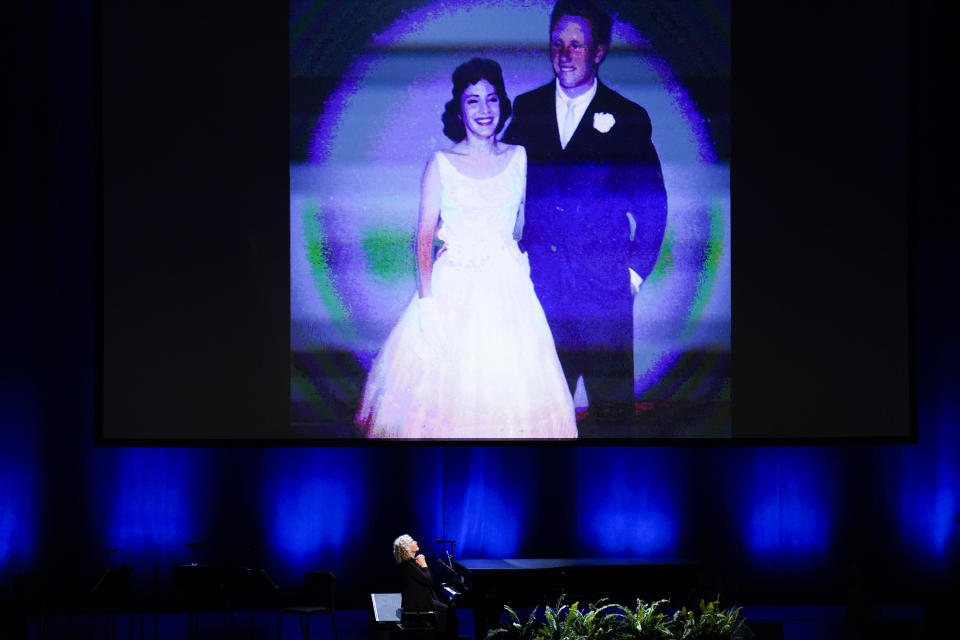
(600, 621)
(562, 623)
(608, 621)
(709, 623)
(646, 622)
(514, 629)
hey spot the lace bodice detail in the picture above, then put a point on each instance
(478, 215)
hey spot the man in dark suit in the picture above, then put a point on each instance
(595, 210)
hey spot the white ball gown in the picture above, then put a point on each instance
(482, 364)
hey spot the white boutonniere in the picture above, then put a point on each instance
(603, 121)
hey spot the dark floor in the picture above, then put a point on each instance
(770, 622)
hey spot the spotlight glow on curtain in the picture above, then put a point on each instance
(18, 476)
(630, 502)
(925, 480)
(156, 497)
(789, 503)
(313, 499)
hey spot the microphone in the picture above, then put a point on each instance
(439, 541)
(445, 565)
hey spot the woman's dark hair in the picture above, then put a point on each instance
(470, 73)
(600, 21)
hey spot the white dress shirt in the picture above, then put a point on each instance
(579, 105)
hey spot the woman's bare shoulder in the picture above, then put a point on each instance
(458, 149)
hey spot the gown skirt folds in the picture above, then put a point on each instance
(477, 359)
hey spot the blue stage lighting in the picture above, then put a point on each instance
(490, 493)
(313, 499)
(152, 497)
(790, 504)
(926, 482)
(630, 501)
(19, 464)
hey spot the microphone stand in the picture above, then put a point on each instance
(450, 552)
(453, 590)
(448, 565)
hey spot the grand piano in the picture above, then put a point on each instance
(487, 584)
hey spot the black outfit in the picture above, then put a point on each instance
(578, 235)
(417, 592)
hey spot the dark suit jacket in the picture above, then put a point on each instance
(417, 590)
(576, 229)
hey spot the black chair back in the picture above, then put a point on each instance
(319, 588)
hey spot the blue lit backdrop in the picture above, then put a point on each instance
(20, 470)
(754, 508)
(633, 502)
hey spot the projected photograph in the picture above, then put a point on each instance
(510, 220)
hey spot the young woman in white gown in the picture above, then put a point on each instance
(472, 356)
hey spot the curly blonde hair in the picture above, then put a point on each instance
(401, 548)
